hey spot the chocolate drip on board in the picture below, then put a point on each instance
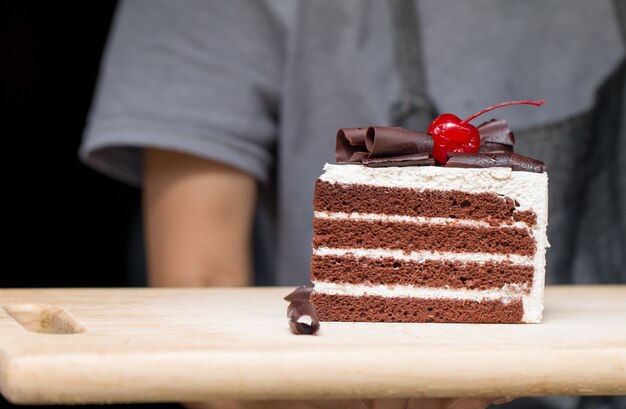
(301, 312)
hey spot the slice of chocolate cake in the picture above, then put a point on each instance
(444, 226)
(429, 243)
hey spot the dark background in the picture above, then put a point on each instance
(65, 225)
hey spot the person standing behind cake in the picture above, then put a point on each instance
(225, 112)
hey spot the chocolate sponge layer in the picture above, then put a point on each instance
(348, 198)
(409, 237)
(430, 273)
(406, 309)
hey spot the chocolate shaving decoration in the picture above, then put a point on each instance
(495, 159)
(496, 131)
(350, 147)
(300, 293)
(496, 136)
(418, 159)
(380, 146)
(386, 142)
(489, 147)
(496, 150)
(383, 146)
(302, 317)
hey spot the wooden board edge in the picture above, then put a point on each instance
(91, 382)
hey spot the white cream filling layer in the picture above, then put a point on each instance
(421, 256)
(506, 294)
(415, 219)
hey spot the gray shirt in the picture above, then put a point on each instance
(264, 85)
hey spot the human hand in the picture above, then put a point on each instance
(416, 403)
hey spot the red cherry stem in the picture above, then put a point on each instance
(504, 104)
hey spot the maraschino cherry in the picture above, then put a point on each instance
(451, 134)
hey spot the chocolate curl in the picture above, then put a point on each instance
(300, 293)
(383, 146)
(302, 317)
(382, 141)
(418, 159)
(350, 145)
(495, 160)
(496, 136)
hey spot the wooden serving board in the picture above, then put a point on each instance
(147, 345)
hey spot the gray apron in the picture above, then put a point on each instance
(586, 159)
